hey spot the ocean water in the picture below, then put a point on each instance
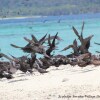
(13, 31)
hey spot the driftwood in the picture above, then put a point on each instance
(81, 55)
(85, 42)
(52, 46)
(34, 46)
(74, 46)
(79, 49)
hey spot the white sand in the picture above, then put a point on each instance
(17, 17)
(64, 83)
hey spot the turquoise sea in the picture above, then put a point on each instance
(13, 31)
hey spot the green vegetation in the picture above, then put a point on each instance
(10, 8)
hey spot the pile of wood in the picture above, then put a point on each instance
(80, 55)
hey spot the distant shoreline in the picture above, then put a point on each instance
(73, 16)
(7, 18)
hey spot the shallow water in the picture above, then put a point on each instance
(13, 31)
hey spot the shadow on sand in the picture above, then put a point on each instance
(12, 81)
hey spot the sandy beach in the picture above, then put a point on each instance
(8, 18)
(62, 83)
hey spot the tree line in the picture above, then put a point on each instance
(9, 8)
